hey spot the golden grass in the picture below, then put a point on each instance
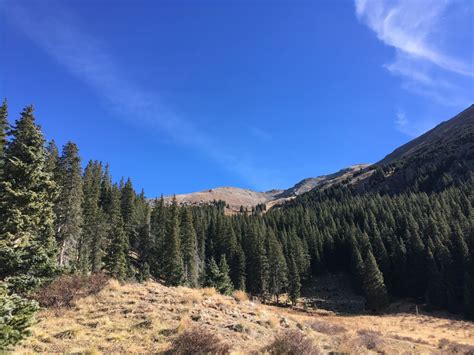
(145, 318)
(209, 291)
(240, 296)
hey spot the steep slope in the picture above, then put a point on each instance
(458, 130)
(442, 157)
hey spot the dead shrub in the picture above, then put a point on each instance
(209, 291)
(327, 328)
(292, 342)
(370, 339)
(450, 347)
(198, 340)
(66, 289)
(240, 296)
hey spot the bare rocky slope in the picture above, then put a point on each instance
(236, 197)
(446, 149)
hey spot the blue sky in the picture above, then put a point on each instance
(188, 95)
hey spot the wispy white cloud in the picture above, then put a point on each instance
(425, 36)
(86, 57)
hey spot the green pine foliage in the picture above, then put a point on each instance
(115, 260)
(27, 243)
(373, 285)
(173, 273)
(68, 207)
(16, 316)
(4, 129)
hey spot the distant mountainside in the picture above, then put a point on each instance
(456, 132)
(236, 197)
(430, 162)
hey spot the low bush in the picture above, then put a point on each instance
(199, 341)
(240, 296)
(292, 342)
(327, 328)
(370, 339)
(450, 347)
(66, 289)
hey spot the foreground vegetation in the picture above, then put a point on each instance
(151, 318)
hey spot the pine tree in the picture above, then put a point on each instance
(91, 244)
(172, 259)
(117, 247)
(16, 316)
(52, 158)
(4, 129)
(294, 286)
(189, 249)
(374, 286)
(469, 283)
(68, 207)
(278, 270)
(27, 245)
(157, 235)
(224, 283)
(213, 274)
(129, 215)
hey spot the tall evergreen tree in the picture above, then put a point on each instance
(294, 285)
(115, 259)
(91, 244)
(224, 282)
(172, 258)
(278, 271)
(4, 129)
(189, 249)
(27, 245)
(374, 286)
(68, 207)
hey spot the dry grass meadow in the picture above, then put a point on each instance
(151, 318)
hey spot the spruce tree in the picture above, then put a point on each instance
(68, 207)
(189, 249)
(129, 213)
(294, 285)
(91, 244)
(4, 129)
(224, 283)
(157, 236)
(278, 271)
(374, 286)
(16, 316)
(115, 259)
(469, 283)
(27, 245)
(172, 258)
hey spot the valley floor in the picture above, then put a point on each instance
(145, 318)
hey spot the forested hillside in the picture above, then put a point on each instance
(57, 218)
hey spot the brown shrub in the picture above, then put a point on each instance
(370, 339)
(198, 340)
(240, 296)
(292, 342)
(327, 328)
(450, 347)
(66, 289)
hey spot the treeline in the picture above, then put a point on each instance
(57, 218)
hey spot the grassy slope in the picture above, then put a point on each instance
(144, 318)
